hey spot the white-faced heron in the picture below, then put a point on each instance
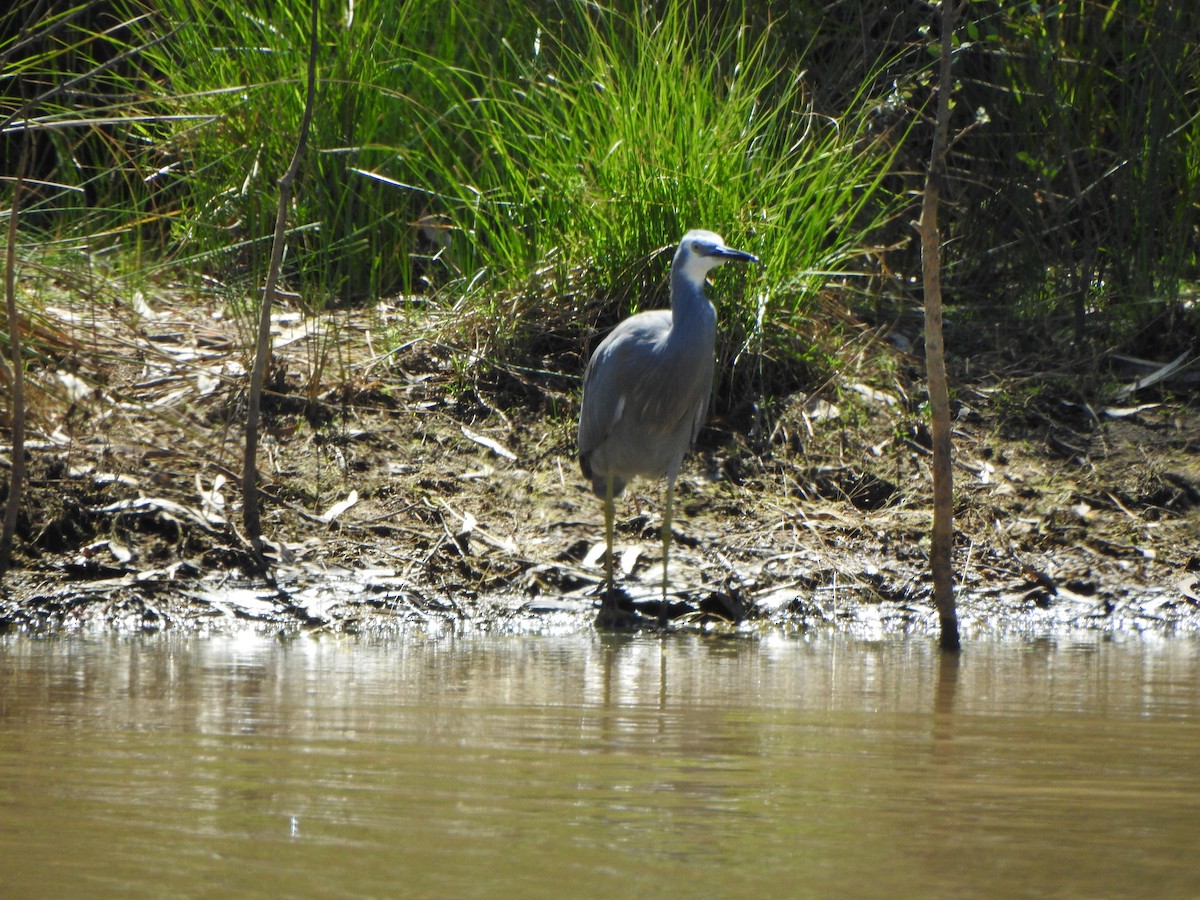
(646, 390)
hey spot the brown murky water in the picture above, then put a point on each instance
(595, 766)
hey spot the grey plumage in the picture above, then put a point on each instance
(646, 388)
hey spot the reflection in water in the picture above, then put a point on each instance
(610, 765)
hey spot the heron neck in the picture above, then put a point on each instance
(689, 306)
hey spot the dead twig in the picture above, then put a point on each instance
(942, 542)
(251, 517)
(16, 479)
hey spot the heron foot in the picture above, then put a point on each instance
(620, 612)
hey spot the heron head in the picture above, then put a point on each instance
(702, 251)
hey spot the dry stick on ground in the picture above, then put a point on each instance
(16, 480)
(935, 360)
(250, 511)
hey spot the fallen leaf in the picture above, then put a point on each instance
(871, 395)
(495, 446)
(156, 504)
(340, 507)
(212, 503)
(141, 307)
(593, 556)
(1164, 371)
(75, 386)
(1121, 412)
(206, 383)
(822, 410)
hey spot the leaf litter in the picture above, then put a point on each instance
(395, 495)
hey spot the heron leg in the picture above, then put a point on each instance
(666, 545)
(609, 515)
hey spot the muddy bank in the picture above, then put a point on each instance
(416, 487)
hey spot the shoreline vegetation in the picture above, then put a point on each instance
(488, 188)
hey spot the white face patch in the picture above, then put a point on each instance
(696, 266)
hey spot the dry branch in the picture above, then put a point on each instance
(250, 511)
(12, 506)
(942, 543)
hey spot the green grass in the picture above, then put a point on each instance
(562, 158)
(561, 148)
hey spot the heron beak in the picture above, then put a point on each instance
(735, 255)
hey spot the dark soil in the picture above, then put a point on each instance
(421, 487)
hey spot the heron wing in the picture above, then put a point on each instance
(604, 388)
(632, 374)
